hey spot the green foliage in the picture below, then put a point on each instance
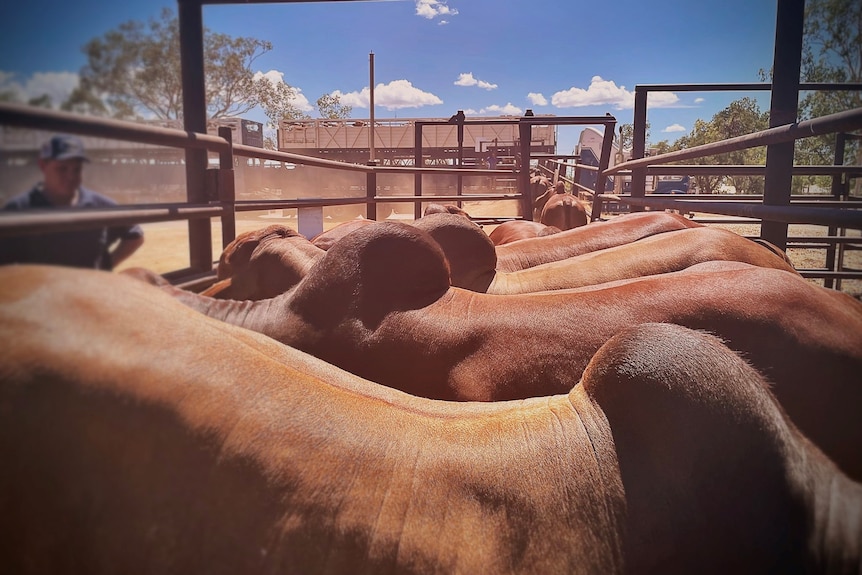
(741, 117)
(43, 101)
(330, 106)
(832, 52)
(626, 135)
(277, 99)
(135, 71)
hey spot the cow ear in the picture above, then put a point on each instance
(372, 272)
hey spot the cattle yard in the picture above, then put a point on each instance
(645, 392)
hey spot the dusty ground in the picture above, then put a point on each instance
(166, 245)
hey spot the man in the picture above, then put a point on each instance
(61, 160)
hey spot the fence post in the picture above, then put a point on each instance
(371, 192)
(417, 163)
(227, 188)
(604, 162)
(783, 109)
(638, 188)
(525, 133)
(190, 15)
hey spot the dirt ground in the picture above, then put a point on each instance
(166, 245)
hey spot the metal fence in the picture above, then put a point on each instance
(838, 211)
(219, 200)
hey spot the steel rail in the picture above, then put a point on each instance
(841, 121)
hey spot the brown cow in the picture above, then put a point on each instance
(540, 190)
(515, 230)
(445, 209)
(472, 258)
(563, 210)
(379, 304)
(258, 257)
(235, 454)
(596, 236)
(325, 239)
(263, 263)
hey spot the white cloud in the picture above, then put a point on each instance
(537, 99)
(699, 100)
(395, 95)
(57, 85)
(467, 79)
(606, 92)
(299, 99)
(430, 9)
(508, 110)
(674, 128)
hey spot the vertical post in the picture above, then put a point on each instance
(371, 158)
(525, 134)
(837, 186)
(371, 177)
(370, 193)
(195, 120)
(227, 189)
(783, 109)
(638, 189)
(460, 119)
(604, 162)
(417, 163)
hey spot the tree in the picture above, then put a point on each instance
(831, 52)
(741, 117)
(700, 134)
(82, 100)
(627, 136)
(277, 100)
(330, 106)
(135, 71)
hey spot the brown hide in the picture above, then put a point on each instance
(472, 258)
(252, 457)
(263, 263)
(564, 211)
(379, 305)
(266, 262)
(444, 209)
(540, 190)
(595, 236)
(515, 230)
(325, 240)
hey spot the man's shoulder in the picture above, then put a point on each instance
(90, 198)
(22, 201)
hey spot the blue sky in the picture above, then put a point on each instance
(434, 57)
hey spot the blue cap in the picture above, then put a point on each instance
(63, 147)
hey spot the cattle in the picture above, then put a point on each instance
(324, 240)
(445, 209)
(379, 304)
(472, 258)
(515, 230)
(539, 186)
(563, 210)
(596, 236)
(235, 454)
(263, 263)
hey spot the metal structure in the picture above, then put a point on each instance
(395, 139)
(212, 192)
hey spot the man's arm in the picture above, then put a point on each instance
(124, 249)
